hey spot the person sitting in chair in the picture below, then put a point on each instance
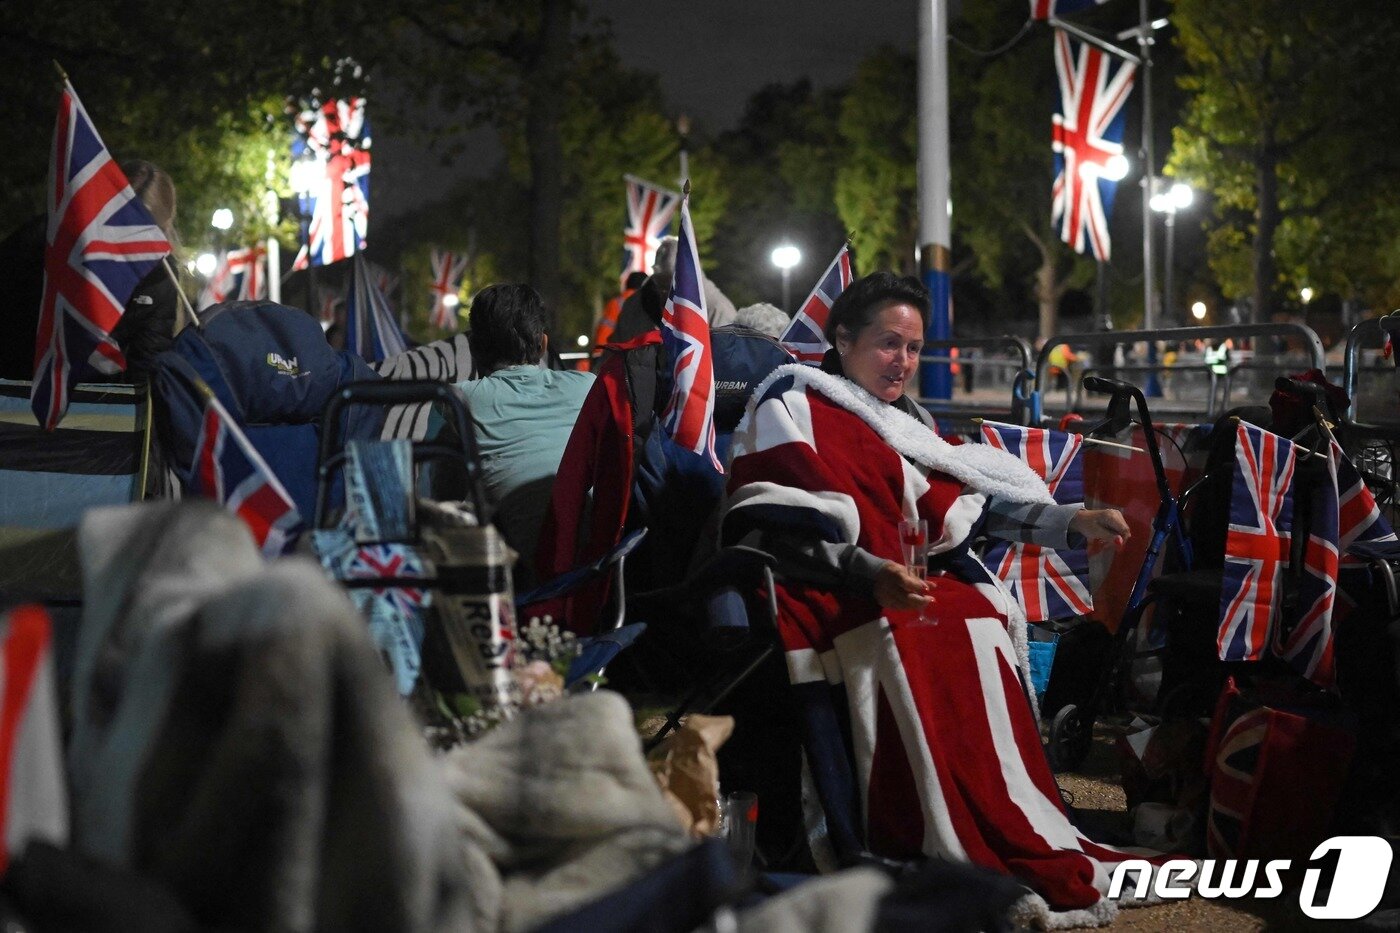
(522, 412)
(929, 674)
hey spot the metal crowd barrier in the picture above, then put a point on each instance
(1218, 387)
(1353, 367)
(994, 379)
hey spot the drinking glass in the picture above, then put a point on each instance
(913, 544)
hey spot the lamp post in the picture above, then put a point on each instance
(1167, 200)
(785, 257)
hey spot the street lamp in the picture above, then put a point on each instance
(206, 263)
(785, 257)
(1306, 294)
(1198, 310)
(222, 219)
(1167, 200)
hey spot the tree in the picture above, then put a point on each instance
(1287, 127)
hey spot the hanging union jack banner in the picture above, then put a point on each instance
(240, 276)
(334, 138)
(1256, 546)
(649, 212)
(228, 469)
(803, 337)
(101, 242)
(448, 269)
(685, 329)
(1087, 133)
(1050, 9)
(1049, 584)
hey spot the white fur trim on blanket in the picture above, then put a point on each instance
(991, 471)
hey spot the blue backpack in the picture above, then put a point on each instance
(272, 369)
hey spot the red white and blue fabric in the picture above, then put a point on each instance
(101, 242)
(240, 276)
(1087, 132)
(803, 337)
(1305, 637)
(448, 269)
(649, 213)
(1049, 584)
(1048, 9)
(1257, 543)
(818, 457)
(33, 780)
(229, 470)
(370, 328)
(337, 136)
(689, 416)
(395, 613)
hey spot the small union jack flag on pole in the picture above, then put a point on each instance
(229, 470)
(804, 335)
(240, 276)
(1051, 9)
(685, 330)
(1256, 546)
(1049, 584)
(448, 269)
(101, 242)
(649, 213)
(1087, 134)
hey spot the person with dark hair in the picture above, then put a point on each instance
(522, 411)
(833, 469)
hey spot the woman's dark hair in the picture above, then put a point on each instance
(506, 326)
(855, 307)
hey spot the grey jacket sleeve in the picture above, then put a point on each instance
(1033, 523)
(846, 567)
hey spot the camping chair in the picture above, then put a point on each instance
(100, 454)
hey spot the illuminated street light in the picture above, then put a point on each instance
(450, 301)
(222, 219)
(785, 257)
(1198, 310)
(206, 264)
(1168, 200)
(1306, 294)
(583, 340)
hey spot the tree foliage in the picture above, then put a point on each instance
(1286, 126)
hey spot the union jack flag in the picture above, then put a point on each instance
(1087, 133)
(1304, 638)
(649, 212)
(370, 328)
(229, 470)
(1047, 9)
(337, 138)
(240, 276)
(1256, 546)
(690, 412)
(803, 336)
(448, 269)
(101, 242)
(1049, 584)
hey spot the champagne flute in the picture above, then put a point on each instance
(913, 545)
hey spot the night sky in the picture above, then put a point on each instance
(710, 56)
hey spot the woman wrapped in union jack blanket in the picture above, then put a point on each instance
(920, 733)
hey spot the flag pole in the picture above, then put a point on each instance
(935, 221)
(174, 280)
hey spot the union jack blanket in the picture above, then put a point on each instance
(921, 739)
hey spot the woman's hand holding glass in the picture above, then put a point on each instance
(906, 586)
